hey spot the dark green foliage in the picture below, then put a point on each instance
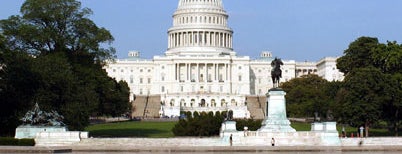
(9, 141)
(252, 124)
(358, 55)
(306, 95)
(18, 84)
(53, 55)
(362, 96)
(203, 124)
(372, 87)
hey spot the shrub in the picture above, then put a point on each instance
(252, 124)
(16, 142)
(201, 124)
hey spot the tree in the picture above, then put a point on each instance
(388, 59)
(17, 88)
(65, 54)
(358, 55)
(306, 95)
(363, 95)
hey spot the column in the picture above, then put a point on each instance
(169, 41)
(175, 72)
(206, 73)
(209, 38)
(214, 72)
(187, 74)
(178, 72)
(198, 73)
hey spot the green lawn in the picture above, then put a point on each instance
(164, 129)
(132, 129)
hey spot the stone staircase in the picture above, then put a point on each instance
(139, 106)
(257, 106)
(153, 106)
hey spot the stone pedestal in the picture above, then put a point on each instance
(228, 126)
(276, 120)
(27, 131)
(59, 138)
(317, 126)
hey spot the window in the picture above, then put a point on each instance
(163, 89)
(163, 78)
(141, 70)
(149, 80)
(181, 88)
(239, 67)
(239, 77)
(141, 80)
(114, 70)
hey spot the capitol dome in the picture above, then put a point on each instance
(200, 28)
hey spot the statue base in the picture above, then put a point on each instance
(276, 120)
(28, 131)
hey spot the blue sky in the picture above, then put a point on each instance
(302, 30)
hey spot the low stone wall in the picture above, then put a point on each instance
(31, 131)
(59, 138)
(306, 138)
(372, 141)
(238, 141)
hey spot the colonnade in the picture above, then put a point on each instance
(200, 38)
(203, 72)
(213, 2)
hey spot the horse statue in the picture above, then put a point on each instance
(276, 72)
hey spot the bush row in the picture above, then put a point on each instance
(16, 142)
(209, 124)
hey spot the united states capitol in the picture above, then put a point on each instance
(200, 71)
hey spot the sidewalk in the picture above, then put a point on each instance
(181, 149)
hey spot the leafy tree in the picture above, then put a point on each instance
(363, 95)
(306, 95)
(388, 58)
(17, 88)
(364, 54)
(358, 55)
(57, 53)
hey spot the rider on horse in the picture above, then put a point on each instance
(276, 72)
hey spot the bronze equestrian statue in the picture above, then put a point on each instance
(276, 72)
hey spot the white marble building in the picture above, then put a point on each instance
(200, 71)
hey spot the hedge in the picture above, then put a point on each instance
(16, 142)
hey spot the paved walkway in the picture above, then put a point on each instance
(188, 149)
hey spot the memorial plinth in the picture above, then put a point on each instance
(27, 131)
(276, 119)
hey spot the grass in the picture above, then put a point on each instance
(164, 129)
(132, 129)
(301, 126)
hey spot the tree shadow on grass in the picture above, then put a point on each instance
(128, 133)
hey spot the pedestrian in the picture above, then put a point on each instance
(361, 131)
(343, 131)
(231, 140)
(273, 142)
